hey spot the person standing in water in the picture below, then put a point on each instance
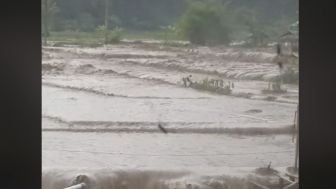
(221, 83)
(279, 54)
(278, 49)
(184, 81)
(188, 79)
(280, 65)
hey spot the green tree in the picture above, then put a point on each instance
(257, 32)
(205, 23)
(49, 8)
(273, 15)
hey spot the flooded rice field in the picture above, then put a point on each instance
(101, 108)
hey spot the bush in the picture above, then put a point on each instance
(101, 29)
(113, 36)
(203, 23)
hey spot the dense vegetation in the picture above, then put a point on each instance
(200, 21)
(205, 23)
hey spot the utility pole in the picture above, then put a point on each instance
(106, 20)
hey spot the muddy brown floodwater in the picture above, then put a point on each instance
(101, 109)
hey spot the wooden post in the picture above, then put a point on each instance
(294, 124)
(297, 142)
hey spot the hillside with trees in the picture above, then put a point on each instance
(225, 20)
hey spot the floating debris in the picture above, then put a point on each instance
(162, 129)
(253, 111)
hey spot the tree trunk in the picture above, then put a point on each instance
(106, 20)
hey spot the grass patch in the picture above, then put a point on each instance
(95, 39)
(73, 36)
(83, 39)
(162, 35)
(81, 43)
(99, 37)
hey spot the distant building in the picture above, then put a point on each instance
(290, 41)
(291, 37)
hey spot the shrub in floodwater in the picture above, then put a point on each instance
(209, 86)
(115, 35)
